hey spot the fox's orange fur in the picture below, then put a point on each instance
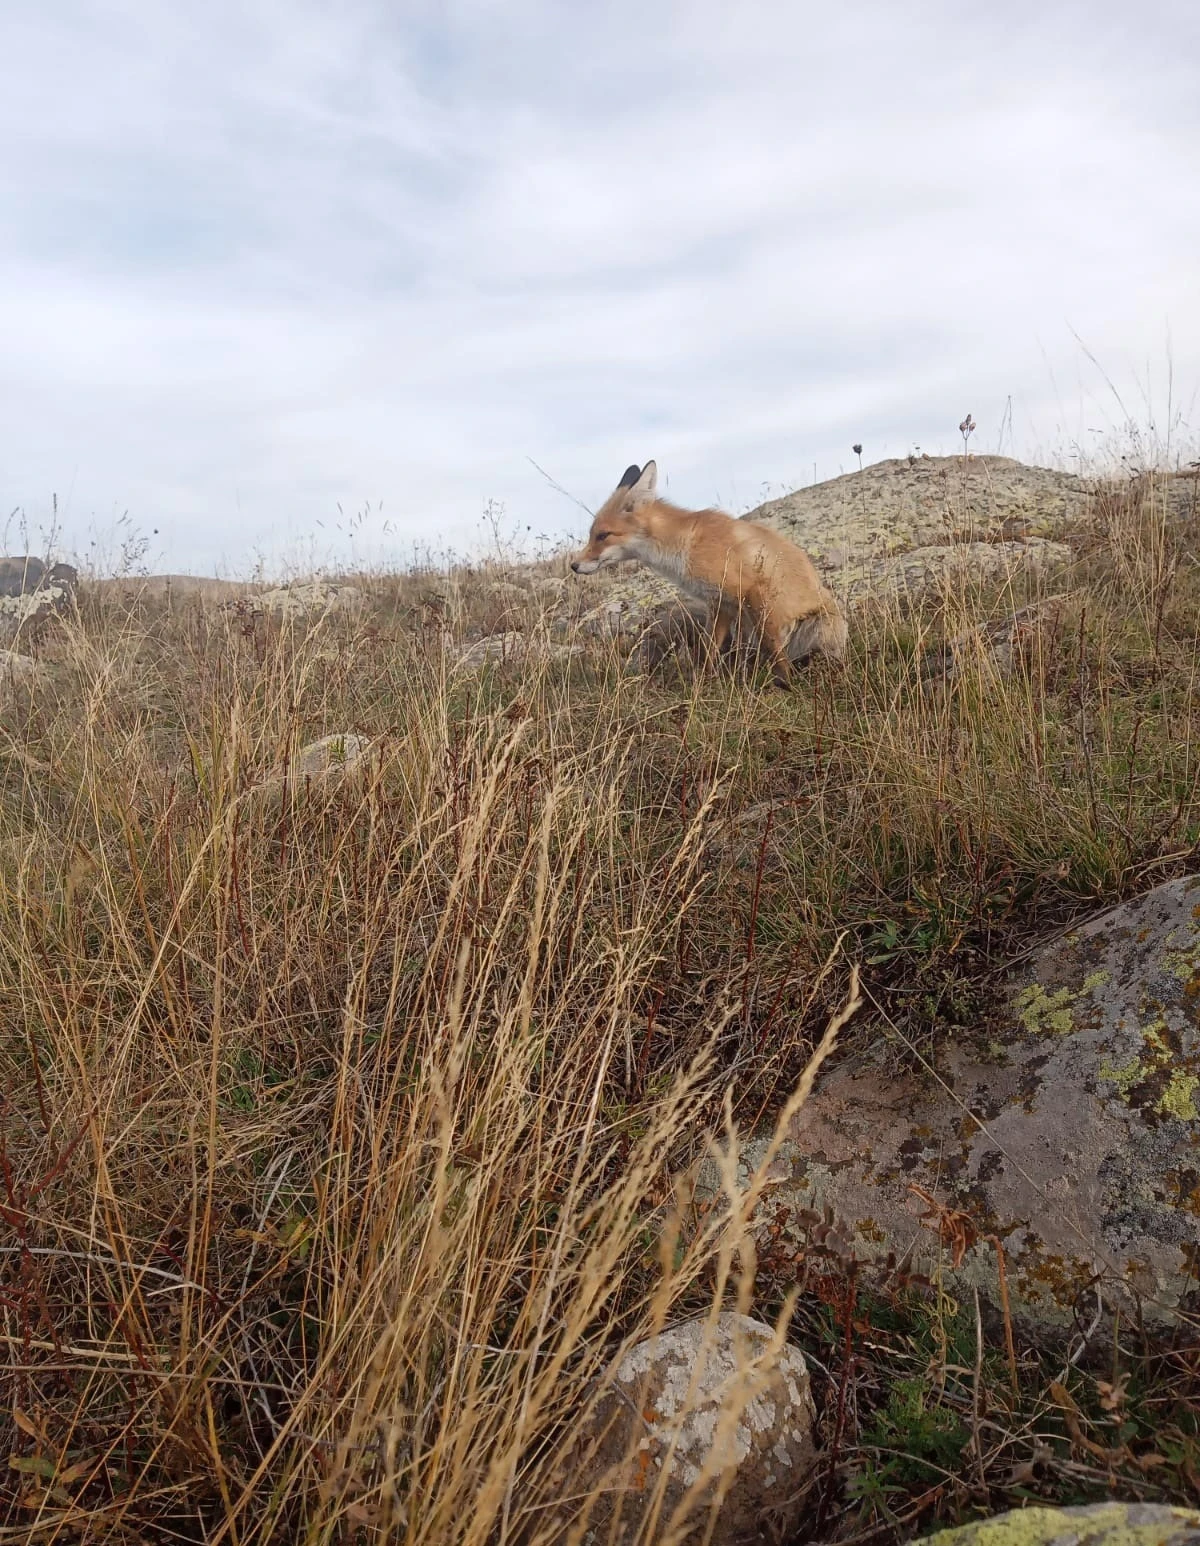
(731, 566)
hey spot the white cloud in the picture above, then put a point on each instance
(266, 258)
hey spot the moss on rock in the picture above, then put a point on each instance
(1103, 1524)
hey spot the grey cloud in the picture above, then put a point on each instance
(263, 258)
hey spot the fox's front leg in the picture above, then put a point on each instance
(721, 625)
(782, 670)
(709, 638)
(775, 637)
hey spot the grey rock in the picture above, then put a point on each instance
(18, 671)
(692, 1408)
(24, 574)
(928, 569)
(30, 593)
(510, 645)
(333, 760)
(20, 574)
(507, 590)
(1002, 641)
(1066, 1134)
(495, 648)
(335, 753)
(309, 598)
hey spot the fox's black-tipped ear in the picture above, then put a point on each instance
(630, 476)
(646, 484)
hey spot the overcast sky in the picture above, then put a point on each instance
(261, 258)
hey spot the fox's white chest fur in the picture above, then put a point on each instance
(672, 564)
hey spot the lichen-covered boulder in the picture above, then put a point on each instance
(910, 502)
(510, 646)
(23, 574)
(335, 754)
(616, 604)
(705, 1423)
(334, 760)
(1001, 642)
(1065, 1135)
(1102, 1524)
(951, 565)
(309, 599)
(30, 592)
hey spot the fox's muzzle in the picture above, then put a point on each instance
(585, 565)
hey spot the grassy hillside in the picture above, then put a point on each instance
(347, 1120)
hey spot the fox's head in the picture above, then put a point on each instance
(618, 523)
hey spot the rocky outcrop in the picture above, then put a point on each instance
(911, 525)
(910, 502)
(1063, 1139)
(706, 1423)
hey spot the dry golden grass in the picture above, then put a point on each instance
(344, 1119)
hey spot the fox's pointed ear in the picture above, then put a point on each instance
(646, 484)
(630, 476)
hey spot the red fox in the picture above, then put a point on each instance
(731, 566)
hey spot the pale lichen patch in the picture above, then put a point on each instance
(1182, 964)
(1124, 1075)
(1179, 1097)
(1154, 1037)
(1039, 1011)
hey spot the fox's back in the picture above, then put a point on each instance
(746, 550)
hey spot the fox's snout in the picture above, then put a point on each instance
(585, 565)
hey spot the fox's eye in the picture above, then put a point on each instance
(603, 536)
